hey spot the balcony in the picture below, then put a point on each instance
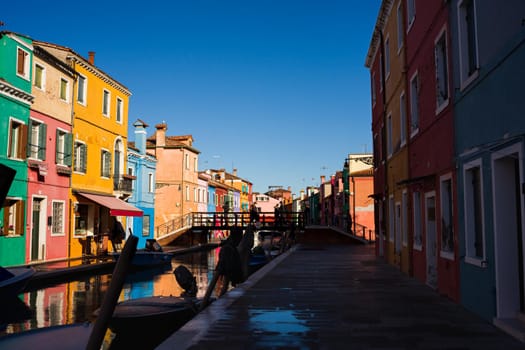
(123, 183)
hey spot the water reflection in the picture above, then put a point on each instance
(75, 301)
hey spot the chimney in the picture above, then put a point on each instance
(140, 135)
(160, 134)
(234, 172)
(322, 179)
(91, 57)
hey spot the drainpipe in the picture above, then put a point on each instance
(383, 135)
(71, 203)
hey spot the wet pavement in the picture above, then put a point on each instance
(336, 297)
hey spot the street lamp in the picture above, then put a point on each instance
(347, 219)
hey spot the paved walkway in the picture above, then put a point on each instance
(336, 297)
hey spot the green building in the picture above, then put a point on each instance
(16, 56)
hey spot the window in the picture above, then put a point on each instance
(64, 89)
(389, 135)
(82, 89)
(63, 154)
(402, 118)
(17, 134)
(22, 63)
(105, 103)
(145, 225)
(414, 104)
(40, 77)
(468, 46)
(187, 193)
(411, 12)
(381, 80)
(373, 84)
(447, 228)
(151, 183)
(387, 58)
(418, 241)
(80, 157)
(187, 161)
(195, 164)
(398, 228)
(57, 222)
(440, 53)
(37, 141)
(474, 228)
(399, 27)
(119, 110)
(391, 219)
(195, 195)
(105, 164)
(13, 220)
(377, 150)
(404, 219)
(81, 220)
(130, 172)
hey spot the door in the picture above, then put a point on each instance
(38, 229)
(431, 239)
(508, 221)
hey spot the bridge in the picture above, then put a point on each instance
(212, 221)
(225, 221)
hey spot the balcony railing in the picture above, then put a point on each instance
(123, 183)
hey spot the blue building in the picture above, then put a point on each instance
(489, 103)
(142, 166)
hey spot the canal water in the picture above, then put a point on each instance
(75, 301)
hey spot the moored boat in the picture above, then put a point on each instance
(153, 313)
(152, 255)
(14, 279)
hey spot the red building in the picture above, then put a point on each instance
(432, 177)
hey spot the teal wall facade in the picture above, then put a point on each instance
(15, 101)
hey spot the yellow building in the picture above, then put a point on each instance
(388, 42)
(99, 183)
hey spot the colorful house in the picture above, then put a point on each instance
(99, 183)
(202, 192)
(388, 48)
(488, 60)
(360, 190)
(16, 62)
(374, 62)
(177, 176)
(432, 176)
(49, 153)
(142, 166)
(418, 177)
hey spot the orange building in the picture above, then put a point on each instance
(177, 185)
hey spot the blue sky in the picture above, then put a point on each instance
(274, 88)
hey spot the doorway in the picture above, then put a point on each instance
(431, 239)
(38, 229)
(508, 231)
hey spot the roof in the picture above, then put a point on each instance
(173, 142)
(384, 11)
(85, 63)
(363, 172)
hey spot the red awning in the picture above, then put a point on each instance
(117, 207)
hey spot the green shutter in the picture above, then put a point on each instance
(42, 137)
(68, 149)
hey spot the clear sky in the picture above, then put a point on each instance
(274, 88)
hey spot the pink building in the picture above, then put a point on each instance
(49, 160)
